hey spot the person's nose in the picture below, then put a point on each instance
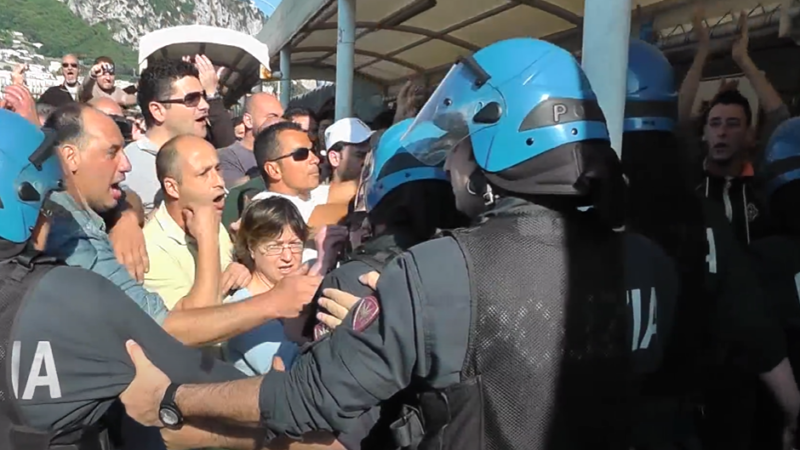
(124, 163)
(313, 159)
(286, 254)
(203, 105)
(218, 181)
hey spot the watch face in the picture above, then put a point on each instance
(168, 417)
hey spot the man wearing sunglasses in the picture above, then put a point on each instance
(67, 91)
(100, 83)
(173, 103)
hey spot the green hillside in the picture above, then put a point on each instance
(53, 24)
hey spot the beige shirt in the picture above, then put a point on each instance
(173, 257)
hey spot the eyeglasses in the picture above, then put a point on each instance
(300, 154)
(73, 65)
(277, 249)
(190, 100)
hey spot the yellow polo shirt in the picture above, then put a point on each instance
(173, 257)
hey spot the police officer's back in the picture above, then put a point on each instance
(62, 329)
(407, 202)
(516, 332)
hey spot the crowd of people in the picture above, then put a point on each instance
(480, 271)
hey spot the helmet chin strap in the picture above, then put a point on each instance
(477, 186)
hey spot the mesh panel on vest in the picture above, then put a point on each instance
(11, 296)
(549, 337)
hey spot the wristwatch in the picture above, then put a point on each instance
(168, 411)
(213, 96)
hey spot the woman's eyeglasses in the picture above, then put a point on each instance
(276, 249)
(190, 100)
(300, 154)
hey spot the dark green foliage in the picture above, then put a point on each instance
(60, 31)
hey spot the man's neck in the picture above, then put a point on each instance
(71, 85)
(158, 135)
(724, 169)
(175, 211)
(248, 141)
(280, 188)
(342, 191)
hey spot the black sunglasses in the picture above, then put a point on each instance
(300, 154)
(190, 100)
(65, 65)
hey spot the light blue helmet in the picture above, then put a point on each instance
(521, 102)
(29, 170)
(651, 102)
(393, 165)
(781, 163)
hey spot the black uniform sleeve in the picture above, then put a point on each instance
(421, 331)
(743, 317)
(69, 342)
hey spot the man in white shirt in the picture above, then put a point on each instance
(289, 167)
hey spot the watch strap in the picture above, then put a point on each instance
(169, 395)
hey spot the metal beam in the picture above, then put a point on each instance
(377, 26)
(345, 58)
(391, 59)
(286, 21)
(550, 8)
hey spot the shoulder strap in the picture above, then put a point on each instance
(378, 260)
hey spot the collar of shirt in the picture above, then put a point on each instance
(170, 227)
(145, 145)
(61, 204)
(747, 169)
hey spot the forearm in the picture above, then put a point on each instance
(767, 95)
(205, 291)
(690, 86)
(780, 381)
(214, 324)
(210, 433)
(235, 401)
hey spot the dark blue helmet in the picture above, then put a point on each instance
(29, 170)
(781, 163)
(393, 166)
(651, 102)
(516, 100)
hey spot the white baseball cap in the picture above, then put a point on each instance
(350, 131)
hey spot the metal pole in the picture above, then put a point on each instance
(606, 35)
(345, 58)
(286, 76)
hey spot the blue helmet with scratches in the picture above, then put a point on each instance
(651, 99)
(393, 165)
(527, 109)
(781, 158)
(29, 170)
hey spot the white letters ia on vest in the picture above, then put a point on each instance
(639, 342)
(49, 379)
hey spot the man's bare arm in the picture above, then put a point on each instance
(214, 324)
(210, 433)
(235, 401)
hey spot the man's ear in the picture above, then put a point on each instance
(273, 170)
(335, 158)
(70, 157)
(171, 187)
(158, 111)
(247, 120)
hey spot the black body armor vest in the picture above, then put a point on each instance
(17, 277)
(548, 365)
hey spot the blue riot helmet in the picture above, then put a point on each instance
(651, 100)
(781, 164)
(527, 108)
(393, 165)
(29, 171)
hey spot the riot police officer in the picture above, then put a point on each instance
(720, 313)
(777, 258)
(406, 202)
(62, 329)
(514, 333)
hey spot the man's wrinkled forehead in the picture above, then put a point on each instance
(291, 140)
(186, 85)
(69, 59)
